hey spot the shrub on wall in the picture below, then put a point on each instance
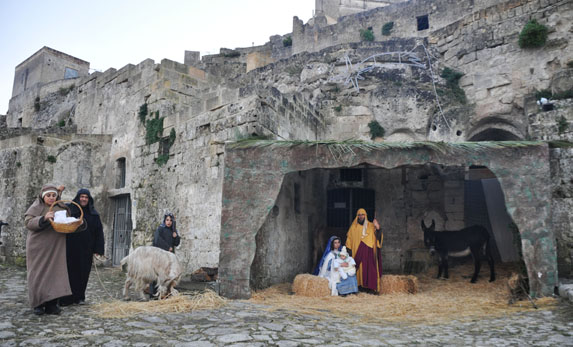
(142, 113)
(387, 28)
(452, 78)
(172, 136)
(162, 159)
(366, 34)
(376, 130)
(153, 129)
(51, 159)
(546, 93)
(562, 125)
(533, 35)
(65, 91)
(287, 42)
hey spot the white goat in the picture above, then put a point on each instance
(149, 264)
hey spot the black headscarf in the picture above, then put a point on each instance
(90, 208)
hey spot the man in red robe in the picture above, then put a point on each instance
(364, 238)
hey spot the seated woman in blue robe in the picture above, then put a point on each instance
(337, 285)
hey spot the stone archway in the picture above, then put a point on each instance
(254, 171)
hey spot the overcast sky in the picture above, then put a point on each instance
(113, 33)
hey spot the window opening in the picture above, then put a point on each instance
(70, 73)
(423, 22)
(120, 173)
(351, 175)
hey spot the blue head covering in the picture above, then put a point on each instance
(326, 251)
(168, 214)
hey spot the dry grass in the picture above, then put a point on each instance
(174, 304)
(437, 301)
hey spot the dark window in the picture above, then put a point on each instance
(297, 198)
(25, 79)
(343, 203)
(351, 175)
(70, 73)
(423, 22)
(164, 146)
(120, 173)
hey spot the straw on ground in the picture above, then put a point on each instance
(173, 304)
(437, 300)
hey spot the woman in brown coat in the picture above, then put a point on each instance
(46, 254)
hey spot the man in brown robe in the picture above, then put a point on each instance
(45, 256)
(365, 239)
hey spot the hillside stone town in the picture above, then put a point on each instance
(414, 110)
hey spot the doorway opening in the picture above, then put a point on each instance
(121, 227)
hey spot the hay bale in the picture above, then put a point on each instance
(518, 287)
(390, 284)
(309, 285)
(205, 274)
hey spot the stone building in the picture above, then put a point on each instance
(157, 137)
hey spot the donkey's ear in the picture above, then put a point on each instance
(424, 227)
(433, 225)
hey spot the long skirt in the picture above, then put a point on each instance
(347, 286)
(369, 267)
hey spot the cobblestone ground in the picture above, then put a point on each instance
(245, 324)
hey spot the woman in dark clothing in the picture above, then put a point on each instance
(81, 246)
(166, 236)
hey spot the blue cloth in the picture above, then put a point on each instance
(326, 251)
(347, 286)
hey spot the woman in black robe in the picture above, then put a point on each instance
(81, 246)
(166, 236)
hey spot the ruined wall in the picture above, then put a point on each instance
(498, 73)
(557, 125)
(312, 38)
(562, 205)
(285, 240)
(30, 161)
(45, 66)
(338, 8)
(45, 105)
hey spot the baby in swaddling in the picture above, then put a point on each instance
(61, 217)
(346, 271)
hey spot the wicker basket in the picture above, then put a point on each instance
(69, 227)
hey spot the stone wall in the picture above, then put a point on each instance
(339, 8)
(30, 161)
(498, 74)
(524, 180)
(314, 37)
(44, 105)
(45, 66)
(557, 125)
(285, 240)
(562, 205)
